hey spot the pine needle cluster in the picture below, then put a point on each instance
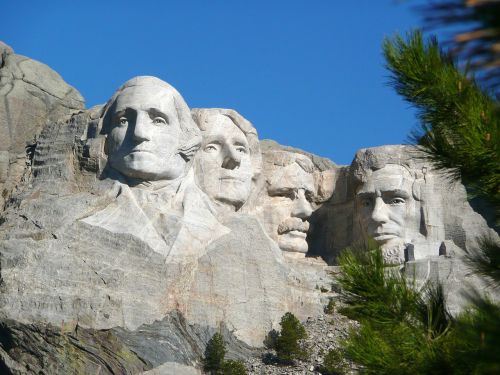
(288, 344)
(403, 330)
(214, 362)
(459, 122)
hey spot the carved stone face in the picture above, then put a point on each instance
(386, 208)
(223, 164)
(288, 206)
(143, 140)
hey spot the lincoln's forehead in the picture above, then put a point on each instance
(389, 178)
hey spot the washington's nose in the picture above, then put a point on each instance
(380, 214)
(302, 207)
(142, 128)
(232, 159)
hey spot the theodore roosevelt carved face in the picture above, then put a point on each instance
(287, 207)
(149, 130)
(229, 158)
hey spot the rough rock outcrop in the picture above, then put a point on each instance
(141, 227)
(32, 95)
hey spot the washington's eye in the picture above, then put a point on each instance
(159, 121)
(123, 121)
(211, 148)
(396, 201)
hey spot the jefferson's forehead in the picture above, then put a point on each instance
(219, 125)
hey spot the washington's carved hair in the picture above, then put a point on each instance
(190, 138)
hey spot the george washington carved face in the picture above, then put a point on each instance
(146, 130)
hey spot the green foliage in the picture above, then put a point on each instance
(231, 367)
(459, 123)
(475, 36)
(288, 347)
(372, 291)
(214, 353)
(333, 364)
(403, 330)
(214, 362)
(330, 308)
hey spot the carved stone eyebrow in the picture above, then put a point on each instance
(155, 112)
(396, 192)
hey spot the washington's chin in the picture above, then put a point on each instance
(293, 241)
(146, 166)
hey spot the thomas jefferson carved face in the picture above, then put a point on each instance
(144, 135)
(224, 165)
(386, 207)
(287, 206)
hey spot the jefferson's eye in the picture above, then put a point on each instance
(159, 121)
(211, 148)
(396, 201)
(123, 121)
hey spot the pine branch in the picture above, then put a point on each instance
(459, 123)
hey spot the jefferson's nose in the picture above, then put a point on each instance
(142, 127)
(302, 207)
(232, 159)
(380, 213)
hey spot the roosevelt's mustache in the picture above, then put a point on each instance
(293, 223)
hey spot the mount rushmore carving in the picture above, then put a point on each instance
(164, 225)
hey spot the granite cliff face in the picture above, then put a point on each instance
(33, 95)
(141, 227)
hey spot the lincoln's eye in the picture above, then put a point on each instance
(159, 121)
(366, 202)
(123, 121)
(241, 149)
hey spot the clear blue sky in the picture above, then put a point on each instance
(308, 74)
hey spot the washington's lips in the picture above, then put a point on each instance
(231, 178)
(294, 225)
(135, 151)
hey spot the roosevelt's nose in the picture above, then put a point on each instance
(142, 128)
(380, 212)
(232, 158)
(301, 207)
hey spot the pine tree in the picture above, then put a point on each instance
(288, 346)
(214, 353)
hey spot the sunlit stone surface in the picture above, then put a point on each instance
(140, 228)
